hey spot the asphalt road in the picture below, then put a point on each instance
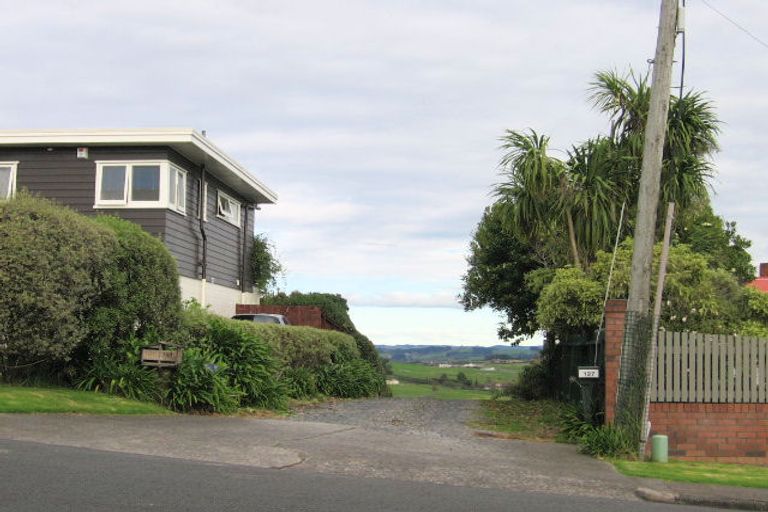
(41, 477)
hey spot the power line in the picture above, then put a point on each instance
(735, 23)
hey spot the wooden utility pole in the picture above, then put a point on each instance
(634, 357)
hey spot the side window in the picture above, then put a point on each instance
(177, 190)
(7, 179)
(228, 209)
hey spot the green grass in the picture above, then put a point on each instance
(59, 400)
(413, 379)
(519, 419)
(505, 373)
(409, 390)
(698, 472)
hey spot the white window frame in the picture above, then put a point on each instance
(232, 219)
(181, 176)
(12, 184)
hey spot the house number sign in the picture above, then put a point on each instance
(589, 372)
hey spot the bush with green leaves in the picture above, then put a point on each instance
(300, 382)
(351, 379)
(116, 373)
(336, 312)
(53, 263)
(533, 384)
(141, 291)
(306, 347)
(606, 441)
(201, 383)
(250, 367)
(571, 303)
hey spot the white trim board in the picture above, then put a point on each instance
(186, 141)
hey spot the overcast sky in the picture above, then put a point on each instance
(377, 122)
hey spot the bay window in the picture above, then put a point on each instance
(140, 184)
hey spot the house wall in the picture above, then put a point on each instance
(58, 174)
(219, 299)
(723, 432)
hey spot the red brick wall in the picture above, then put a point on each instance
(311, 316)
(713, 432)
(696, 431)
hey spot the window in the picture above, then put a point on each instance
(229, 209)
(141, 184)
(177, 190)
(7, 179)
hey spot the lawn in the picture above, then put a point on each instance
(520, 419)
(410, 390)
(59, 400)
(506, 372)
(698, 472)
(421, 380)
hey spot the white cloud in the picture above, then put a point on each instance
(376, 122)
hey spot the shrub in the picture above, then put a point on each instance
(201, 384)
(122, 374)
(300, 382)
(250, 367)
(142, 294)
(54, 262)
(606, 441)
(573, 426)
(533, 383)
(352, 379)
(306, 347)
(336, 312)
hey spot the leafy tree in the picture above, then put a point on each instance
(498, 262)
(264, 265)
(570, 304)
(707, 233)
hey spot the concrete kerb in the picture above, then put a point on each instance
(734, 499)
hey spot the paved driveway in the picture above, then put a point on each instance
(391, 439)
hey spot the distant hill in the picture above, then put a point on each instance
(449, 353)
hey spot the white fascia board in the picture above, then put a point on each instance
(164, 136)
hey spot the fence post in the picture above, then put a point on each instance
(615, 316)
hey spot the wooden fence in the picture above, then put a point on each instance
(708, 368)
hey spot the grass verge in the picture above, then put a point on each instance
(697, 472)
(14, 399)
(519, 419)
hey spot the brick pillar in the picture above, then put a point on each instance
(615, 314)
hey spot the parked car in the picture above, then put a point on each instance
(263, 318)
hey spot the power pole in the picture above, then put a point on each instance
(635, 347)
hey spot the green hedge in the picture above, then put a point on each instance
(53, 263)
(336, 312)
(141, 293)
(306, 347)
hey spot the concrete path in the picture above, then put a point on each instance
(340, 448)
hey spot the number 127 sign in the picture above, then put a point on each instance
(589, 372)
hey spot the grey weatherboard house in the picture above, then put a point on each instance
(156, 178)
